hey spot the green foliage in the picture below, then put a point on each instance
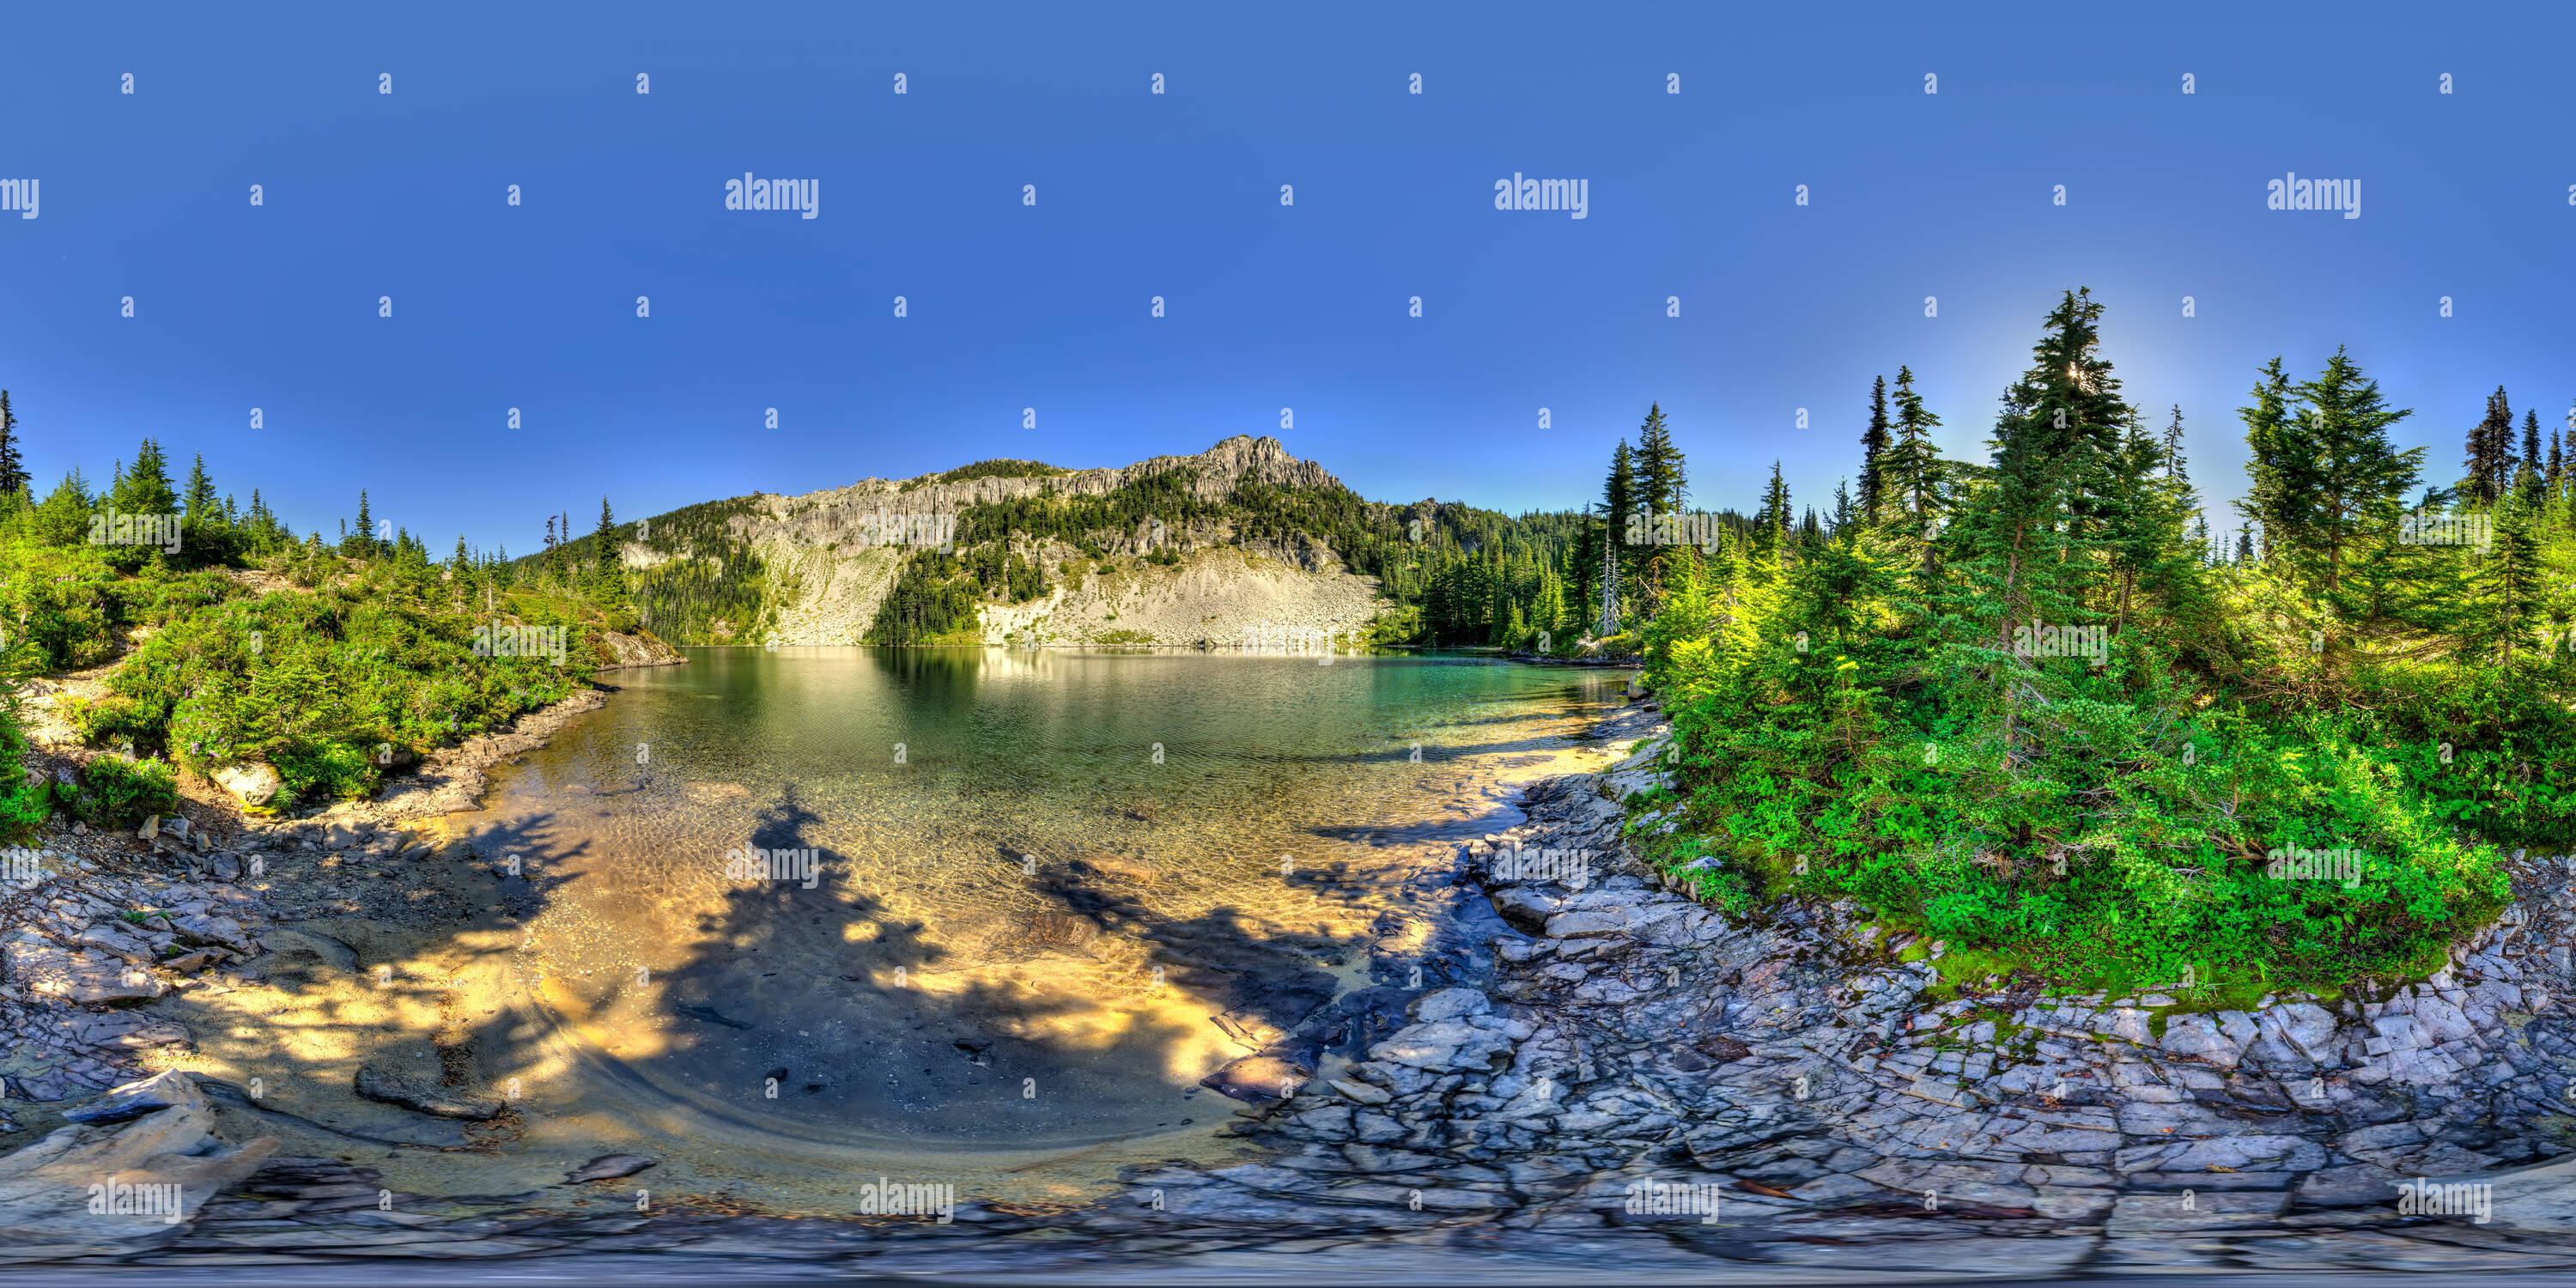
(329, 689)
(116, 792)
(997, 468)
(1899, 714)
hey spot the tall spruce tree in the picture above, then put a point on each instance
(1873, 445)
(13, 468)
(2328, 485)
(1771, 523)
(1659, 465)
(1618, 510)
(2534, 465)
(1911, 477)
(2490, 459)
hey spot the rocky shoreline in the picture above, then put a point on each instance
(1596, 1073)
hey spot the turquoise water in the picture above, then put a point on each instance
(1034, 877)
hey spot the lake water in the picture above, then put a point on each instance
(1036, 877)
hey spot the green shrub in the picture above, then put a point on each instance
(117, 793)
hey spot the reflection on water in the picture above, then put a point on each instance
(1035, 877)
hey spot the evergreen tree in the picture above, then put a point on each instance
(144, 488)
(1911, 477)
(13, 469)
(607, 572)
(2328, 483)
(1873, 445)
(2490, 459)
(365, 537)
(1771, 522)
(201, 502)
(1659, 465)
(1618, 510)
(62, 519)
(2534, 465)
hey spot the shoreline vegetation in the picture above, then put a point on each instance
(2033, 707)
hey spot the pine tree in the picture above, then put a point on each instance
(2490, 461)
(1771, 522)
(2328, 483)
(2173, 446)
(1659, 465)
(1618, 511)
(366, 534)
(62, 518)
(1873, 445)
(1911, 477)
(13, 469)
(144, 487)
(202, 505)
(2557, 463)
(2533, 463)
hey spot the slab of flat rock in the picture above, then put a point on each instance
(49, 1210)
(1258, 1077)
(608, 1167)
(89, 975)
(412, 1093)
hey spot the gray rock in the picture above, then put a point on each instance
(608, 1167)
(85, 976)
(411, 1093)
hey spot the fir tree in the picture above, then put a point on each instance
(2534, 465)
(1659, 465)
(144, 487)
(201, 502)
(13, 469)
(1873, 445)
(366, 534)
(1910, 479)
(2490, 461)
(1771, 522)
(1618, 510)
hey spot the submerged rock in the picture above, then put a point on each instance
(411, 1093)
(608, 1167)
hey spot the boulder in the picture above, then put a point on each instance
(250, 782)
(1273, 1074)
(61, 1197)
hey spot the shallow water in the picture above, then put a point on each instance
(1037, 876)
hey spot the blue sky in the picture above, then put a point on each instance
(368, 195)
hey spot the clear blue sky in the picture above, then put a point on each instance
(1177, 195)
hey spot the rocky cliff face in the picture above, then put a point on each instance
(829, 571)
